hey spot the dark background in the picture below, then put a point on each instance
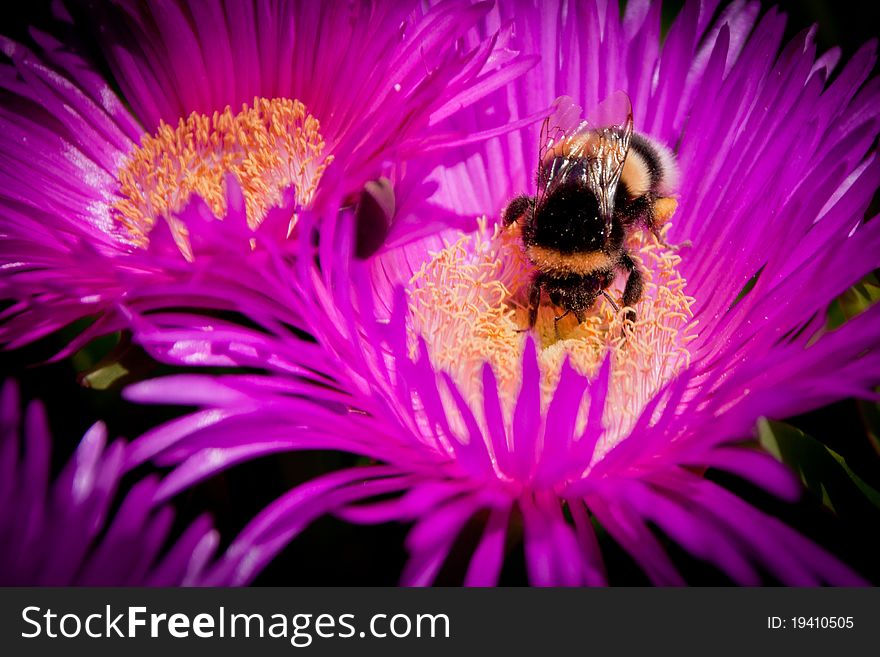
(335, 553)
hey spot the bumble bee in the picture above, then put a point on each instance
(596, 181)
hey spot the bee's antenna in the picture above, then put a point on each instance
(556, 323)
(611, 301)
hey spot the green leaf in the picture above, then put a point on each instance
(867, 490)
(870, 412)
(822, 470)
(748, 287)
(104, 378)
(854, 301)
(125, 363)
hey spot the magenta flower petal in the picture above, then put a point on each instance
(67, 532)
(485, 566)
(290, 514)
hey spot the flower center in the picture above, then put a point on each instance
(269, 146)
(468, 302)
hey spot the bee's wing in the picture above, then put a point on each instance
(612, 124)
(594, 149)
(564, 121)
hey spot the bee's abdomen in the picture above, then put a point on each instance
(650, 168)
(557, 264)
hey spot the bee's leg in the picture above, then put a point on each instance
(534, 304)
(639, 210)
(653, 212)
(556, 323)
(585, 301)
(647, 208)
(662, 210)
(517, 208)
(634, 285)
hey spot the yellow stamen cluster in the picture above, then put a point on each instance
(468, 303)
(269, 146)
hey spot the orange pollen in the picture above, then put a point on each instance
(468, 302)
(269, 146)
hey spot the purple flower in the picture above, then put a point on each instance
(270, 93)
(415, 360)
(67, 532)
